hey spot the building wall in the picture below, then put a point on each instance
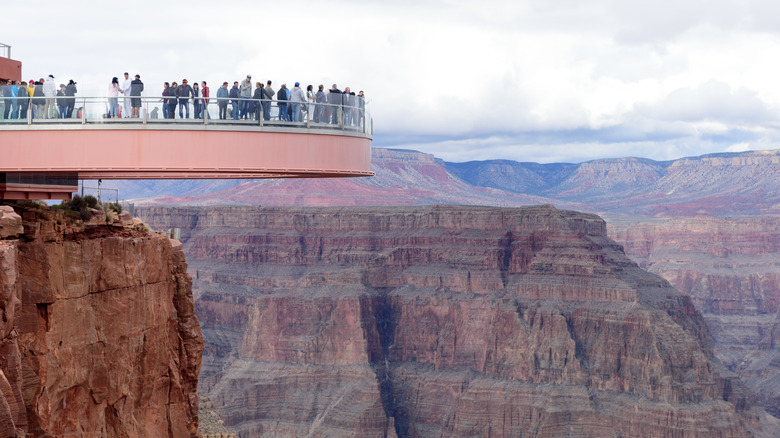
(10, 69)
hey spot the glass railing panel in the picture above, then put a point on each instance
(348, 113)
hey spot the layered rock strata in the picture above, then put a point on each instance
(446, 321)
(730, 267)
(98, 333)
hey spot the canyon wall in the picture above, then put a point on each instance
(446, 321)
(99, 338)
(730, 268)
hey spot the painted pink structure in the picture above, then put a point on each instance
(141, 151)
(10, 69)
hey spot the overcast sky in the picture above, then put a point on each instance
(545, 81)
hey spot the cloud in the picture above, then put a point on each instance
(597, 77)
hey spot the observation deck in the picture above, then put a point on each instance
(43, 158)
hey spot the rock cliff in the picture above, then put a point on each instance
(99, 338)
(731, 270)
(446, 321)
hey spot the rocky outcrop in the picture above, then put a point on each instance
(731, 270)
(98, 332)
(446, 321)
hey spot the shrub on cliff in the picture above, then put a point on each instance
(81, 206)
(91, 201)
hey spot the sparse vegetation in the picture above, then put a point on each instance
(81, 206)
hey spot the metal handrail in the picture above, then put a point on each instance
(7, 49)
(92, 110)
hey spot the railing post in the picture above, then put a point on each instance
(145, 115)
(340, 109)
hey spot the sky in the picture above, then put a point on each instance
(526, 80)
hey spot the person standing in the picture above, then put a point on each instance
(222, 100)
(311, 98)
(245, 93)
(257, 97)
(136, 87)
(184, 93)
(298, 99)
(165, 93)
(126, 91)
(39, 101)
(196, 102)
(62, 102)
(14, 101)
(22, 100)
(50, 91)
(269, 97)
(334, 104)
(173, 91)
(70, 91)
(322, 100)
(204, 91)
(281, 102)
(234, 99)
(346, 106)
(113, 97)
(361, 104)
(3, 104)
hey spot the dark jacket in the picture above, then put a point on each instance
(40, 98)
(184, 92)
(334, 96)
(234, 93)
(61, 99)
(136, 87)
(222, 93)
(70, 90)
(281, 95)
(259, 93)
(172, 92)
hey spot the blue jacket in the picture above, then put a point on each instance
(222, 94)
(234, 93)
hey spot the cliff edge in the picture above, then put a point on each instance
(98, 332)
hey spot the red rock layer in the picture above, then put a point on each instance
(446, 321)
(99, 335)
(731, 270)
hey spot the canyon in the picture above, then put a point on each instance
(449, 321)
(731, 270)
(99, 337)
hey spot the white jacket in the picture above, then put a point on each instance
(49, 88)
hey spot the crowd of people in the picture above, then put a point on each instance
(40, 99)
(244, 101)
